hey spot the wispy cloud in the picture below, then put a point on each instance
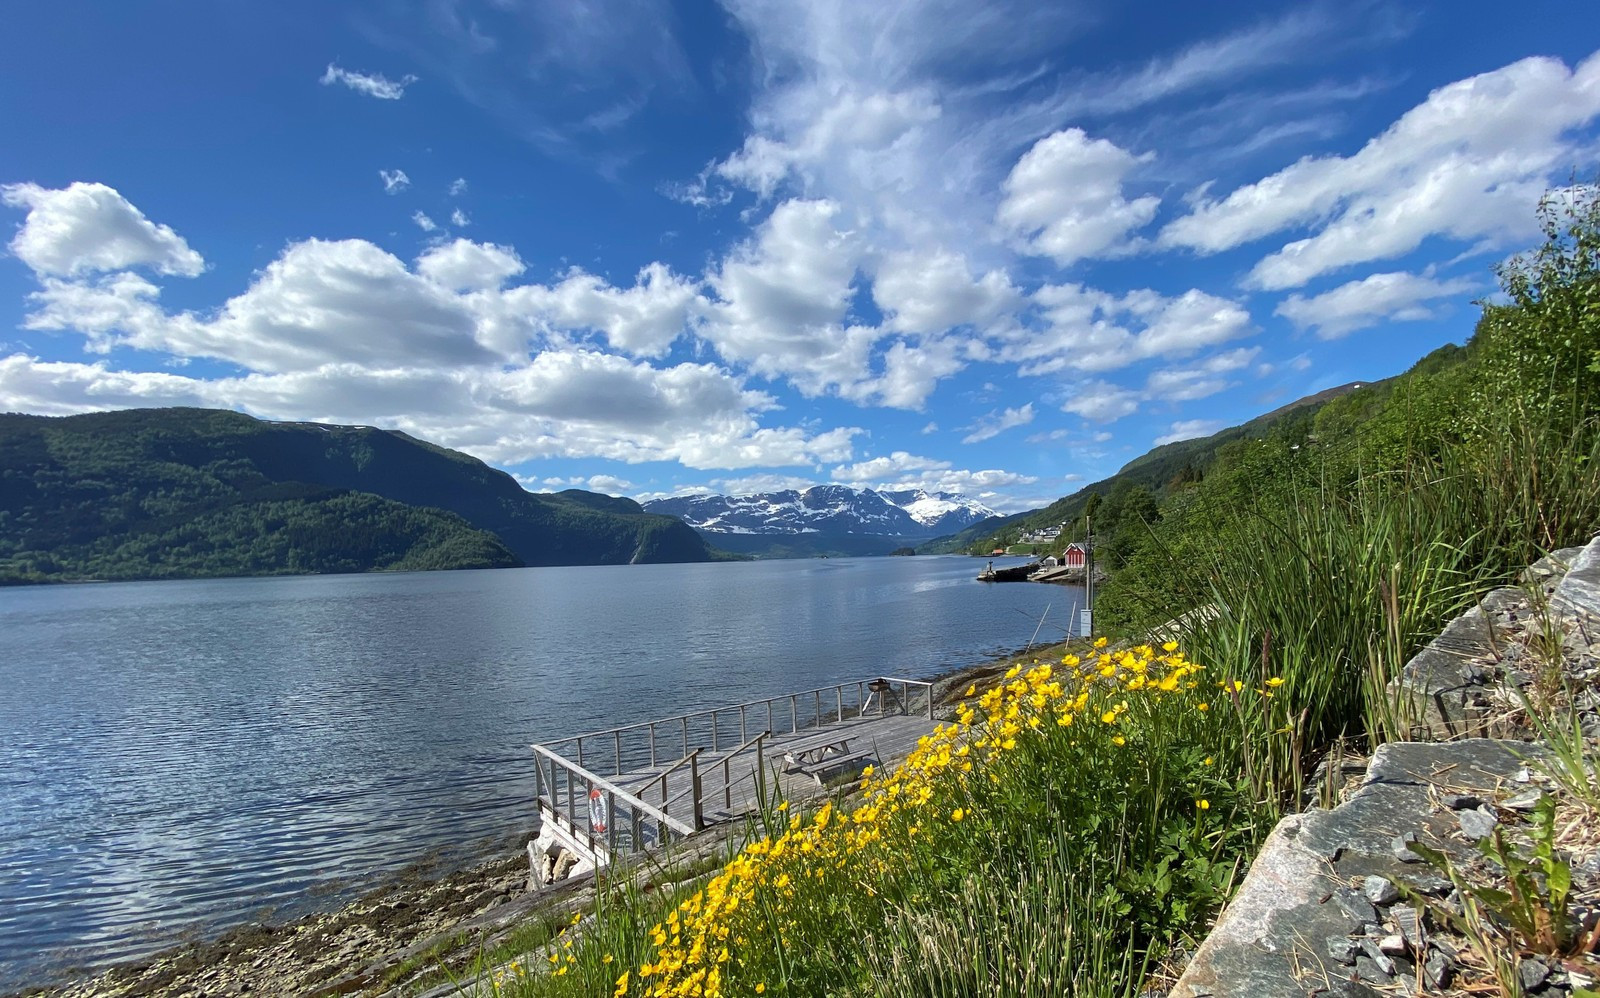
(371, 84)
(394, 181)
(995, 423)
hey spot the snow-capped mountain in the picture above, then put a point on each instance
(826, 509)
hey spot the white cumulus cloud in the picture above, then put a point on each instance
(1064, 198)
(1395, 297)
(86, 228)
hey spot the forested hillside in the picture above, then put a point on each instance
(151, 493)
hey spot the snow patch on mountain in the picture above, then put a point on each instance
(827, 509)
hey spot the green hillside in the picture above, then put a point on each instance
(154, 493)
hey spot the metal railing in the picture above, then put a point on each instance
(645, 745)
(600, 819)
(568, 794)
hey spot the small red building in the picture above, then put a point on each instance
(1076, 555)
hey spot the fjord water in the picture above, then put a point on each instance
(179, 757)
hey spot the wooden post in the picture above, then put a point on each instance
(794, 715)
(861, 700)
(838, 692)
(617, 734)
(727, 786)
(769, 713)
(715, 745)
(742, 736)
(611, 825)
(817, 717)
(685, 720)
(699, 821)
(652, 743)
(580, 750)
(761, 771)
(638, 831)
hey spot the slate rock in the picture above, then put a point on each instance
(1477, 823)
(1461, 802)
(1342, 949)
(1372, 972)
(1379, 958)
(1402, 848)
(1393, 944)
(1532, 974)
(1524, 802)
(1438, 970)
(1357, 907)
(1380, 891)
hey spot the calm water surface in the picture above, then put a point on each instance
(178, 757)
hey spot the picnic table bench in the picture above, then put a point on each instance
(820, 754)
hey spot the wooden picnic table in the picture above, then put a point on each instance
(811, 756)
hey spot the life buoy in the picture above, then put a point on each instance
(597, 811)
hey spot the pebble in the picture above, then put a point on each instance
(1377, 956)
(1393, 945)
(1438, 970)
(1380, 891)
(1402, 848)
(1477, 823)
(1531, 974)
(1524, 802)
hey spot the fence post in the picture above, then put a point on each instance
(618, 748)
(838, 693)
(727, 786)
(794, 715)
(742, 736)
(685, 720)
(652, 743)
(761, 772)
(580, 750)
(694, 783)
(611, 826)
(817, 717)
(769, 714)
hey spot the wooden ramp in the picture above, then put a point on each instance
(606, 794)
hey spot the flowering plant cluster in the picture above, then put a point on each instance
(1108, 751)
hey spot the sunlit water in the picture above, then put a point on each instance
(179, 757)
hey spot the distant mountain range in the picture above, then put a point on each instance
(169, 493)
(824, 519)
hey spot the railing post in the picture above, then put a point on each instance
(727, 785)
(652, 743)
(617, 735)
(761, 772)
(794, 715)
(816, 718)
(694, 793)
(580, 750)
(769, 713)
(638, 831)
(838, 693)
(716, 746)
(685, 720)
(742, 736)
(611, 826)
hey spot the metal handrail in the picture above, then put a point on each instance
(814, 714)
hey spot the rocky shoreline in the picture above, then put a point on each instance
(383, 942)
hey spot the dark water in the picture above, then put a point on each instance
(178, 757)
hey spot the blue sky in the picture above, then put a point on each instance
(645, 248)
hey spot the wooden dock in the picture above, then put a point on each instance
(607, 794)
